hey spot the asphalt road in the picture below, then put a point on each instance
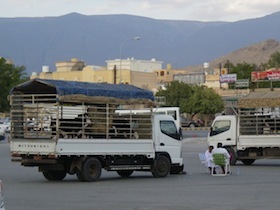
(197, 133)
(256, 187)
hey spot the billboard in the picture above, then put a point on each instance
(192, 79)
(265, 75)
(228, 78)
(240, 83)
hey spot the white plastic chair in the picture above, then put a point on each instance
(203, 161)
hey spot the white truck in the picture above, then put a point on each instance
(79, 131)
(254, 132)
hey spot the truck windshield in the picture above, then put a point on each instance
(169, 128)
(220, 127)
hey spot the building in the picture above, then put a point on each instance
(165, 76)
(147, 74)
(140, 73)
(75, 70)
(134, 65)
(206, 76)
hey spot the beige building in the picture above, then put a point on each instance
(212, 78)
(144, 74)
(208, 77)
(165, 76)
(140, 73)
(76, 70)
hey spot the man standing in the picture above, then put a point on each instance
(221, 150)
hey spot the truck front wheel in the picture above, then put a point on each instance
(248, 161)
(161, 166)
(91, 170)
(176, 169)
(54, 175)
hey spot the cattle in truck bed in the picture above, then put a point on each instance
(83, 127)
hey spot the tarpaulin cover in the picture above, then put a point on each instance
(66, 88)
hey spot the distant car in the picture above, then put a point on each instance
(4, 125)
(191, 123)
(2, 133)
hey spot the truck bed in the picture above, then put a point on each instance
(249, 141)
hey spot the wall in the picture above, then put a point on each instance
(134, 65)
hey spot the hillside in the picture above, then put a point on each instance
(254, 54)
(258, 53)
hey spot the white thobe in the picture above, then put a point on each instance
(209, 159)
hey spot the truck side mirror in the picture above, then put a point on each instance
(180, 133)
(211, 131)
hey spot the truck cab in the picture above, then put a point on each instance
(168, 137)
(223, 130)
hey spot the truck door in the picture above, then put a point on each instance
(169, 140)
(223, 130)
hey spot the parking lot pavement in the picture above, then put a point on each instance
(256, 187)
(2, 205)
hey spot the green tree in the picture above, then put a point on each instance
(243, 70)
(274, 61)
(10, 76)
(228, 65)
(175, 92)
(192, 99)
(203, 101)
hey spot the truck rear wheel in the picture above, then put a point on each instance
(161, 166)
(54, 175)
(248, 161)
(91, 170)
(125, 173)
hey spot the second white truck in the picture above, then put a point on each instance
(254, 132)
(74, 128)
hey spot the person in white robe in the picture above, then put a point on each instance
(209, 158)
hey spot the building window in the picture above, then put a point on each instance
(162, 73)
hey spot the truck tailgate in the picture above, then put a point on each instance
(32, 147)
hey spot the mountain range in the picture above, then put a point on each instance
(34, 42)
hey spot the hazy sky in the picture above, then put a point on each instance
(201, 10)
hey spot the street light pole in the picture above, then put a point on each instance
(136, 38)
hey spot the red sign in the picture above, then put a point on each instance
(265, 75)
